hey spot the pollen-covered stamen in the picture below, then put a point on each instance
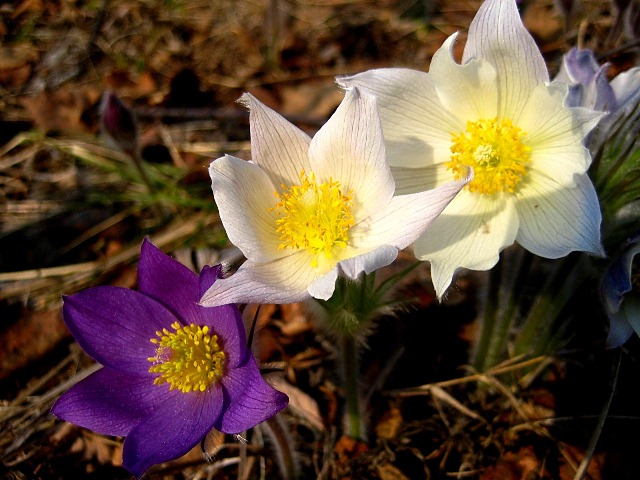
(495, 150)
(314, 216)
(189, 359)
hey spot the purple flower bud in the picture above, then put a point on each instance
(119, 123)
(587, 80)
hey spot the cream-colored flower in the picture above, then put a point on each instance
(498, 113)
(304, 210)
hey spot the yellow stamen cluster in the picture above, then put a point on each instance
(316, 217)
(189, 358)
(495, 150)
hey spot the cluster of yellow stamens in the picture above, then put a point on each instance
(313, 216)
(189, 358)
(495, 150)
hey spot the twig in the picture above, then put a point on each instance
(498, 370)
(582, 470)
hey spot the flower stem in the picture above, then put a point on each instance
(497, 349)
(354, 426)
(488, 318)
(538, 329)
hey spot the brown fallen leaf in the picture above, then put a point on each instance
(390, 423)
(520, 465)
(61, 110)
(299, 402)
(390, 472)
(30, 338)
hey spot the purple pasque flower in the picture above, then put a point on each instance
(620, 290)
(173, 370)
(587, 80)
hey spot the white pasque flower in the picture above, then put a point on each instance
(498, 113)
(304, 209)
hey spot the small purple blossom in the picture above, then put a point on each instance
(620, 288)
(587, 80)
(119, 123)
(173, 370)
(589, 86)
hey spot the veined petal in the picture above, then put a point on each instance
(224, 320)
(246, 197)
(115, 326)
(413, 180)
(497, 35)
(174, 428)
(369, 261)
(349, 149)
(324, 286)
(169, 282)
(469, 91)
(417, 128)
(282, 281)
(616, 281)
(280, 148)
(555, 220)
(405, 217)
(626, 85)
(109, 402)
(555, 134)
(470, 233)
(251, 400)
(620, 330)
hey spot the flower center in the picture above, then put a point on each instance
(313, 216)
(188, 358)
(495, 150)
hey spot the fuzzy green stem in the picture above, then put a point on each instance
(353, 415)
(497, 350)
(488, 318)
(538, 327)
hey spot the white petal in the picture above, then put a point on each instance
(412, 180)
(324, 286)
(417, 128)
(555, 220)
(282, 281)
(369, 262)
(280, 148)
(555, 134)
(626, 85)
(470, 233)
(497, 35)
(349, 149)
(245, 195)
(470, 90)
(405, 217)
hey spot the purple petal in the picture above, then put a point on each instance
(580, 65)
(225, 321)
(115, 325)
(251, 400)
(109, 402)
(619, 331)
(172, 430)
(616, 280)
(169, 282)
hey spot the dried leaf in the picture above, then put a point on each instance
(299, 402)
